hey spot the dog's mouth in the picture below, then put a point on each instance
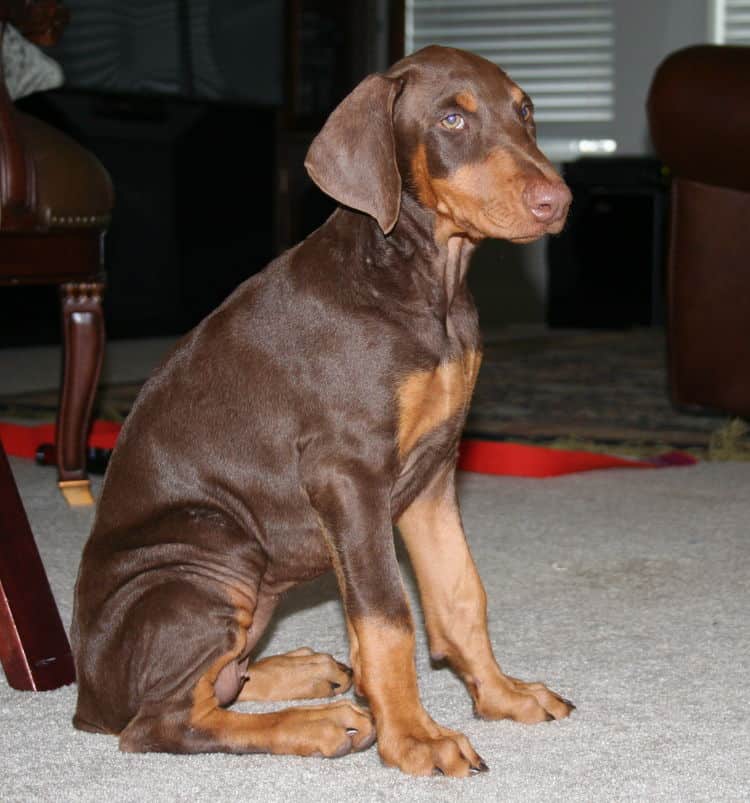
(554, 228)
(525, 232)
(498, 221)
(519, 234)
(557, 225)
(523, 239)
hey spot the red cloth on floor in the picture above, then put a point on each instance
(483, 457)
(23, 441)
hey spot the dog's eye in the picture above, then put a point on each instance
(525, 112)
(453, 122)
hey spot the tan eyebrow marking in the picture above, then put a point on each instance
(467, 101)
(520, 97)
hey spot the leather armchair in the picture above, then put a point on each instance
(55, 204)
(699, 117)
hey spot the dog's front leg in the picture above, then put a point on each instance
(455, 608)
(355, 520)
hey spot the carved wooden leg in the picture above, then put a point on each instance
(33, 646)
(83, 334)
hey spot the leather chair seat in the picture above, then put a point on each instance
(55, 205)
(72, 188)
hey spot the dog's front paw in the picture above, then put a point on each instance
(329, 730)
(425, 748)
(510, 698)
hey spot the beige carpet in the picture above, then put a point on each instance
(627, 591)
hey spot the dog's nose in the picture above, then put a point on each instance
(547, 201)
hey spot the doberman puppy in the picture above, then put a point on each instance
(321, 404)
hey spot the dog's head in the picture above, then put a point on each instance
(452, 130)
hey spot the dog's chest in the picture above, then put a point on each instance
(429, 398)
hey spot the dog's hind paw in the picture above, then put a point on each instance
(298, 675)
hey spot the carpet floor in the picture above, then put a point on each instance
(626, 591)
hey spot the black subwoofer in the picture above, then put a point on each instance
(606, 270)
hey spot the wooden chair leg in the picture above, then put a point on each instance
(34, 648)
(83, 335)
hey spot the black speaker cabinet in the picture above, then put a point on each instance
(606, 268)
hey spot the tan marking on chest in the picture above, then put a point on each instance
(429, 398)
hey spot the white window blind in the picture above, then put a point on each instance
(560, 52)
(732, 22)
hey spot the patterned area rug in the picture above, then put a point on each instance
(601, 391)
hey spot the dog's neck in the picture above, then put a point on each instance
(436, 270)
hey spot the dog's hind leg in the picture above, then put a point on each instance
(330, 730)
(197, 723)
(182, 712)
(298, 675)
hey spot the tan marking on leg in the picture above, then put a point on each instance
(452, 594)
(455, 610)
(428, 398)
(204, 693)
(330, 730)
(388, 672)
(354, 657)
(325, 730)
(407, 737)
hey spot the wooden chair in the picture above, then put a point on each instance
(34, 648)
(55, 205)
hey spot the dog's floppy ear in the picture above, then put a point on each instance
(353, 158)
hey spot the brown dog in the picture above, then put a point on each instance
(319, 405)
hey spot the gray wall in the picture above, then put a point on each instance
(646, 31)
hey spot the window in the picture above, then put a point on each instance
(561, 52)
(731, 22)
